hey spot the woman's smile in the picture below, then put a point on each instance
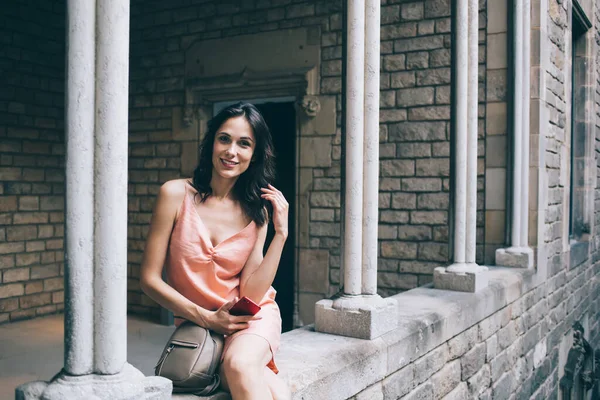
(228, 164)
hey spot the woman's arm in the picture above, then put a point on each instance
(259, 272)
(163, 218)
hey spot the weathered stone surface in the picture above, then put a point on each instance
(446, 379)
(472, 361)
(417, 131)
(503, 388)
(422, 392)
(399, 383)
(397, 249)
(430, 363)
(479, 382)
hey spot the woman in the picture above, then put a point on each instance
(211, 231)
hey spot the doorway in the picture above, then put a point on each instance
(280, 116)
(281, 119)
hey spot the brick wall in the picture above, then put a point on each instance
(31, 158)
(415, 151)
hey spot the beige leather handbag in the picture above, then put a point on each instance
(191, 360)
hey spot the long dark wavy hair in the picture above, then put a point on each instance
(260, 172)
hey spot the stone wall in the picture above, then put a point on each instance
(515, 352)
(31, 158)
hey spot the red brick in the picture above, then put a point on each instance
(22, 314)
(12, 247)
(8, 305)
(33, 175)
(7, 261)
(54, 244)
(8, 203)
(54, 284)
(45, 231)
(29, 203)
(19, 233)
(36, 147)
(48, 257)
(44, 271)
(11, 290)
(57, 217)
(34, 287)
(46, 310)
(15, 275)
(38, 245)
(6, 219)
(10, 174)
(30, 218)
(58, 297)
(35, 300)
(26, 259)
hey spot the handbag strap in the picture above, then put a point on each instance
(210, 388)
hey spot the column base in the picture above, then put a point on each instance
(129, 384)
(461, 277)
(518, 257)
(362, 317)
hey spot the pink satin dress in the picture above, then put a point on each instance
(210, 275)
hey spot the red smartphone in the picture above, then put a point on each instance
(244, 306)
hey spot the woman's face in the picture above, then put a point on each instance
(233, 147)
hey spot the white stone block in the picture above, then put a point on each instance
(515, 257)
(363, 317)
(471, 280)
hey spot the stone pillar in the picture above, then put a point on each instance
(358, 311)
(464, 274)
(371, 150)
(519, 254)
(79, 190)
(355, 80)
(96, 214)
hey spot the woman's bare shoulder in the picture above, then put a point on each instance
(174, 190)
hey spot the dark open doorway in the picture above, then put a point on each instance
(281, 119)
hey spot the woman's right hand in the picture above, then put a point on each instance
(224, 323)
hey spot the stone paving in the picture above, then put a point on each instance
(33, 350)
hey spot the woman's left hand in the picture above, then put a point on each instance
(280, 209)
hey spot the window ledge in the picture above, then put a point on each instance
(318, 365)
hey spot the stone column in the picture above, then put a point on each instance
(519, 254)
(358, 311)
(355, 80)
(79, 231)
(464, 274)
(96, 214)
(371, 150)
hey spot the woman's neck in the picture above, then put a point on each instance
(222, 188)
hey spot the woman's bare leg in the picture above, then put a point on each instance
(243, 368)
(279, 389)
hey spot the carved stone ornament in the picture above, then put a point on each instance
(581, 367)
(310, 105)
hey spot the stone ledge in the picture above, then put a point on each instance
(323, 366)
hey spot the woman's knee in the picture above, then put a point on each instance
(237, 364)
